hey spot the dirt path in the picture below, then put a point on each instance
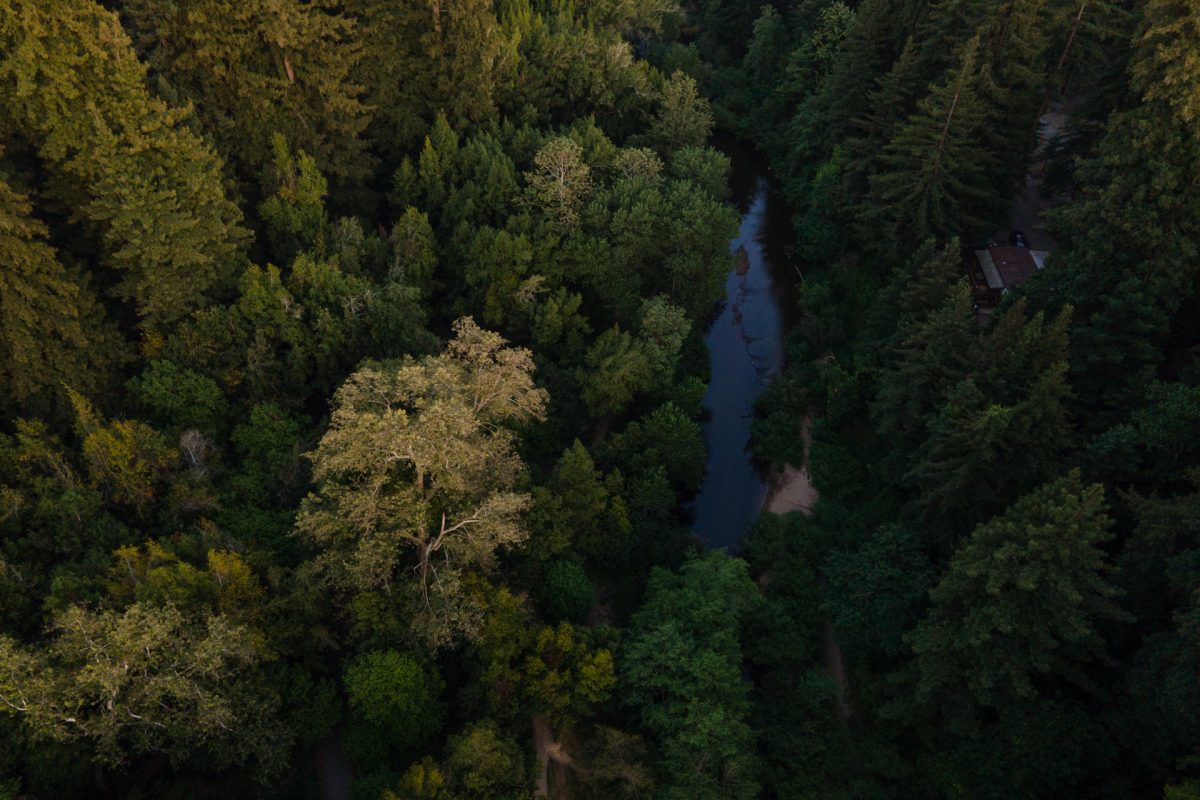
(832, 656)
(793, 491)
(1028, 207)
(549, 751)
(334, 772)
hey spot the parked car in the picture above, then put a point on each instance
(1017, 239)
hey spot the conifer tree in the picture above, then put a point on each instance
(932, 358)
(420, 58)
(872, 44)
(294, 210)
(1131, 253)
(1001, 430)
(121, 160)
(51, 327)
(1013, 42)
(257, 68)
(934, 178)
(1020, 605)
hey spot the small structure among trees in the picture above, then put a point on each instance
(1000, 268)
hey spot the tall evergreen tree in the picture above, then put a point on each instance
(254, 69)
(934, 178)
(420, 58)
(120, 161)
(1131, 239)
(52, 327)
(1021, 605)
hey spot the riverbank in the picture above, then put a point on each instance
(792, 489)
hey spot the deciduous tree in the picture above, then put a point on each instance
(417, 466)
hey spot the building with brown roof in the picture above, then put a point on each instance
(1002, 267)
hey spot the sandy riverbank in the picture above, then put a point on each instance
(792, 490)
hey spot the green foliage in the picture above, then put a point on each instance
(681, 672)
(52, 326)
(485, 763)
(616, 766)
(414, 251)
(876, 590)
(393, 697)
(294, 211)
(683, 119)
(259, 70)
(420, 60)
(666, 438)
(180, 398)
(554, 672)
(1020, 603)
(934, 169)
(615, 371)
(581, 508)
(566, 591)
(148, 187)
(126, 459)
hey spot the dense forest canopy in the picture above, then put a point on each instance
(354, 368)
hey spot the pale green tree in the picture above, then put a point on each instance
(417, 466)
(144, 680)
(560, 182)
(684, 118)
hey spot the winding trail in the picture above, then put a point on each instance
(792, 490)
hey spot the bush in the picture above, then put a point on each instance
(394, 696)
(180, 398)
(566, 592)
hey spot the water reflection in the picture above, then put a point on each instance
(746, 349)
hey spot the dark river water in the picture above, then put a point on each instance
(746, 348)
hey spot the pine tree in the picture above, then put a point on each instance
(890, 104)
(51, 326)
(1020, 606)
(872, 44)
(1013, 45)
(934, 178)
(935, 355)
(119, 159)
(294, 211)
(258, 68)
(1004, 428)
(420, 58)
(1131, 239)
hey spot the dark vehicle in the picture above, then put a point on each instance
(1017, 239)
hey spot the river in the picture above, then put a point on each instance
(746, 350)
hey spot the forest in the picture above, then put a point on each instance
(353, 379)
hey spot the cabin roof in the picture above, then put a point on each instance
(1005, 267)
